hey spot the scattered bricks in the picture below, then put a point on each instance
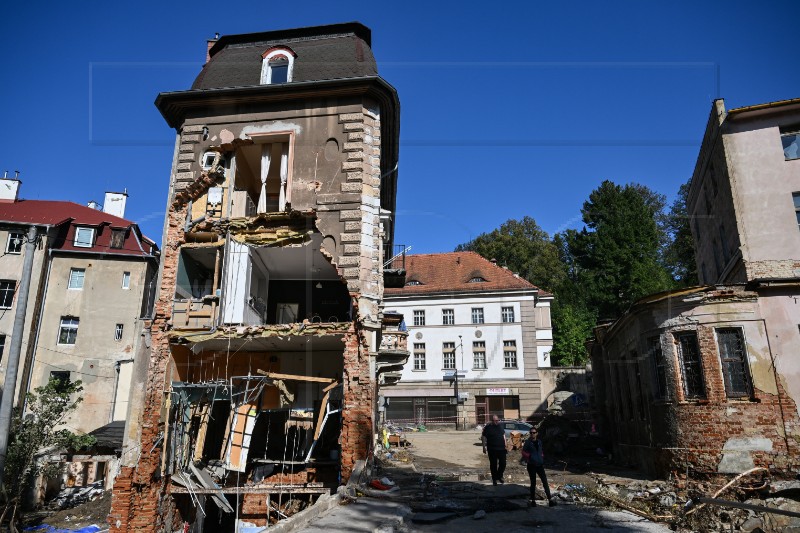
(351, 187)
(350, 237)
(352, 249)
(350, 214)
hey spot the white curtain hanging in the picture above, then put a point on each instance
(266, 150)
(284, 173)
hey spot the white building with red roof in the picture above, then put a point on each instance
(92, 282)
(467, 314)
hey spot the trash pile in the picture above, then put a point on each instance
(69, 497)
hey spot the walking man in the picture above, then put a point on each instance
(533, 453)
(494, 442)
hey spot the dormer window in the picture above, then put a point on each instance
(277, 66)
(413, 283)
(84, 237)
(476, 279)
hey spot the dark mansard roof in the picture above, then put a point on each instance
(330, 52)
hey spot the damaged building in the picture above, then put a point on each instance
(705, 380)
(265, 347)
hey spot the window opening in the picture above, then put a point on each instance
(691, 365)
(2, 346)
(419, 317)
(61, 378)
(510, 354)
(476, 279)
(84, 237)
(477, 315)
(796, 200)
(508, 314)
(791, 143)
(479, 355)
(419, 356)
(656, 355)
(68, 332)
(448, 317)
(126, 280)
(76, 278)
(449, 355)
(7, 290)
(733, 356)
(14, 244)
(117, 238)
(118, 332)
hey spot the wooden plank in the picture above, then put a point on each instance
(215, 490)
(323, 408)
(201, 432)
(331, 386)
(275, 375)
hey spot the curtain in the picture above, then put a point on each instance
(284, 173)
(266, 149)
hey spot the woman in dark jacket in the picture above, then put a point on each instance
(532, 452)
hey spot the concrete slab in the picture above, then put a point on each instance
(364, 515)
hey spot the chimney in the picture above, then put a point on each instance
(9, 187)
(210, 43)
(114, 203)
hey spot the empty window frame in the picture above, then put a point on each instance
(449, 355)
(126, 280)
(117, 238)
(62, 379)
(510, 354)
(68, 331)
(7, 289)
(691, 365)
(76, 278)
(419, 317)
(479, 355)
(659, 362)
(796, 200)
(733, 356)
(477, 315)
(507, 314)
(419, 356)
(15, 242)
(448, 317)
(84, 237)
(118, 332)
(790, 138)
(2, 346)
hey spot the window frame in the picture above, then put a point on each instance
(126, 280)
(117, 241)
(2, 347)
(12, 237)
(81, 243)
(68, 325)
(477, 315)
(449, 356)
(419, 317)
(507, 314)
(75, 270)
(448, 317)
(479, 355)
(697, 380)
(796, 202)
(743, 360)
(8, 289)
(277, 55)
(119, 330)
(510, 356)
(792, 132)
(655, 352)
(419, 357)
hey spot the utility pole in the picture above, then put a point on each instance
(12, 366)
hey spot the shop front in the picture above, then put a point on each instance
(496, 401)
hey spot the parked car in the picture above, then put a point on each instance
(515, 425)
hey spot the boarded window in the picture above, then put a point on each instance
(117, 238)
(691, 366)
(733, 357)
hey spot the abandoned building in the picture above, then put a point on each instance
(90, 286)
(468, 315)
(265, 346)
(705, 380)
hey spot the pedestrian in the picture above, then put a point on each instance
(494, 442)
(533, 454)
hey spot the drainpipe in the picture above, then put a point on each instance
(16, 348)
(49, 260)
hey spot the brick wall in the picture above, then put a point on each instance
(359, 399)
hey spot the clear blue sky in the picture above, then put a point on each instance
(508, 109)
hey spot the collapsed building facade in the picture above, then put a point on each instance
(705, 380)
(265, 346)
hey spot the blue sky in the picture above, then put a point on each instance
(508, 109)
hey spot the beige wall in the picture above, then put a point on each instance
(100, 305)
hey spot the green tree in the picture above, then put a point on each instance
(618, 255)
(679, 254)
(572, 325)
(523, 247)
(37, 432)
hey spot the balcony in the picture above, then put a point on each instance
(393, 352)
(394, 266)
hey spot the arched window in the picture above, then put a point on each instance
(277, 65)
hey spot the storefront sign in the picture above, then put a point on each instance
(498, 391)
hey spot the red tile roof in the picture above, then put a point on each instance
(69, 215)
(452, 272)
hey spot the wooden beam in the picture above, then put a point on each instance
(274, 375)
(323, 408)
(331, 386)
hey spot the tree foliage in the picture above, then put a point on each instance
(39, 430)
(679, 256)
(523, 247)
